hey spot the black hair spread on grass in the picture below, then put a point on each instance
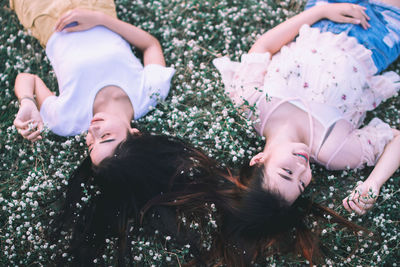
(144, 169)
(153, 180)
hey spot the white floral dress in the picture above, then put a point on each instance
(323, 68)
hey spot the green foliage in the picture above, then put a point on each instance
(192, 33)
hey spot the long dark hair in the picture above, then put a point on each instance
(159, 174)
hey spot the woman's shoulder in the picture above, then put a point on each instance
(243, 81)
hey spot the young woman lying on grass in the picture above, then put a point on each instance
(311, 96)
(102, 85)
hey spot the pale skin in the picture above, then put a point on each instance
(111, 103)
(286, 152)
(286, 133)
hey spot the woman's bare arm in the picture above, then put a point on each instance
(273, 40)
(31, 93)
(389, 161)
(30, 85)
(366, 193)
(86, 19)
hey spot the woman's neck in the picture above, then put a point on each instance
(284, 133)
(113, 100)
(288, 123)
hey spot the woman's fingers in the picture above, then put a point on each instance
(57, 27)
(25, 132)
(356, 15)
(77, 20)
(366, 193)
(64, 21)
(364, 23)
(356, 208)
(345, 203)
(361, 204)
(351, 206)
(362, 16)
(364, 206)
(365, 14)
(357, 203)
(367, 199)
(19, 124)
(76, 28)
(347, 13)
(30, 130)
(34, 136)
(351, 20)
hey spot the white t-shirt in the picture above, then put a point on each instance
(87, 61)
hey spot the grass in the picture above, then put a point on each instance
(192, 33)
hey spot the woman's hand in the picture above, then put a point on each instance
(366, 193)
(28, 121)
(346, 13)
(78, 20)
(362, 198)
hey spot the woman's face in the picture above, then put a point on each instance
(106, 131)
(287, 169)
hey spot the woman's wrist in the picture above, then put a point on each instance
(373, 183)
(27, 99)
(105, 20)
(321, 11)
(100, 18)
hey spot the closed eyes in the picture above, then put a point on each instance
(301, 184)
(104, 135)
(288, 171)
(90, 146)
(285, 177)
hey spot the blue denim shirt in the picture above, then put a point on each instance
(382, 38)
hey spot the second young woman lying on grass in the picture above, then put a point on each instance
(102, 85)
(312, 95)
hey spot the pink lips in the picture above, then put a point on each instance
(95, 119)
(304, 155)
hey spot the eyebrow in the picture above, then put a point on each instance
(285, 177)
(290, 179)
(107, 141)
(102, 142)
